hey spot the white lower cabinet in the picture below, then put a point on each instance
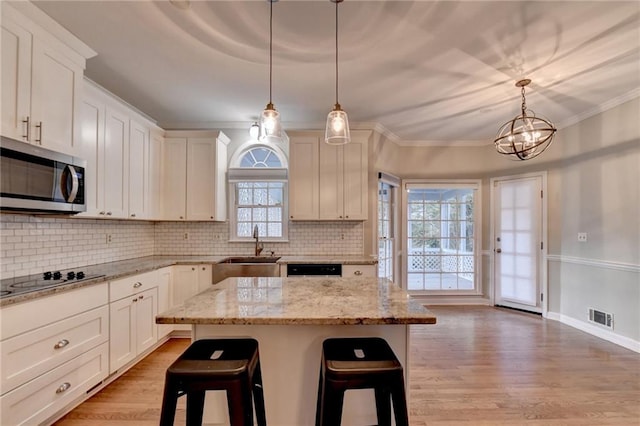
(39, 399)
(187, 281)
(164, 298)
(132, 323)
(54, 349)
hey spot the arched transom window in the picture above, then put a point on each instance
(258, 190)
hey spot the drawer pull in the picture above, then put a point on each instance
(358, 273)
(61, 344)
(63, 387)
(137, 285)
(135, 300)
(141, 296)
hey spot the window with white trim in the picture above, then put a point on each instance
(258, 195)
(442, 237)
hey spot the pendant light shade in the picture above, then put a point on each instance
(337, 128)
(526, 136)
(270, 127)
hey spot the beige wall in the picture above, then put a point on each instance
(593, 186)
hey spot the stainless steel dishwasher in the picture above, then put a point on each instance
(314, 270)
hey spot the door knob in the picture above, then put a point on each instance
(498, 250)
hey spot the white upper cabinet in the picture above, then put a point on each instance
(304, 177)
(122, 160)
(328, 182)
(42, 73)
(195, 167)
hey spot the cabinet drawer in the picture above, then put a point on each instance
(22, 317)
(36, 401)
(131, 285)
(359, 270)
(31, 354)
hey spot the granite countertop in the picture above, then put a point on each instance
(123, 268)
(300, 301)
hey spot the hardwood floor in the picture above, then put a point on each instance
(477, 366)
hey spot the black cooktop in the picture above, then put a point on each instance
(27, 284)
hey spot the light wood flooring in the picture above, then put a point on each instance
(477, 366)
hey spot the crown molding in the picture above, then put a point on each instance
(598, 109)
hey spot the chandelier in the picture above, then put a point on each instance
(526, 136)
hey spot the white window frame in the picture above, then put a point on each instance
(257, 174)
(476, 184)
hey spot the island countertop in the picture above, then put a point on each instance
(300, 301)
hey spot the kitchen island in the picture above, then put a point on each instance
(290, 317)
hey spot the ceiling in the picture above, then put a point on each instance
(418, 71)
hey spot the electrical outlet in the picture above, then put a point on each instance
(582, 237)
(108, 239)
(186, 235)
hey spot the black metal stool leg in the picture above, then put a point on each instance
(258, 396)
(195, 407)
(383, 406)
(169, 402)
(400, 402)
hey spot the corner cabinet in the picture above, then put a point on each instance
(328, 182)
(195, 169)
(42, 71)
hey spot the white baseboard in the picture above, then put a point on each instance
(594, 330)
(452, 300)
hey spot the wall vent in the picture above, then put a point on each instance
(601, 317)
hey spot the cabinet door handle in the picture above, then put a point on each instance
(27, 122)
(102, 213)
(358, 273)
(108, 213)
(63, 387)
(141, 297)
(39, 127)
(133, 215)
(61, 344)
(137, 285)
(135, 300)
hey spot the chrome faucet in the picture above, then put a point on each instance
(259, 245)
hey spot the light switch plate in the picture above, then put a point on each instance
(582, 237)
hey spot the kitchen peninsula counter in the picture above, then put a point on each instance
(291, 317)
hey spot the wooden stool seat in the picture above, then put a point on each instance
(216, 364)
(360, 363)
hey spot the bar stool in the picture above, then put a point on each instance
(360, 363)
(216, 364)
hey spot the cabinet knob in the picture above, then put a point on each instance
(347, 217)
(133, 215)
(204, 268)
(135, 300)
(291, 217)
(141, 297)
(63, 387)
(101, 213)
(137, 285)
(181, 217)
(61, 344)
(211, 217)
(108, 213)
(358, 273)
(193, 269)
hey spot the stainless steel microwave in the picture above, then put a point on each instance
(38, 180)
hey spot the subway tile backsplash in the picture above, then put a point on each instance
(34, 244)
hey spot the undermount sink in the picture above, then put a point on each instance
(246, 266)
(251, 259)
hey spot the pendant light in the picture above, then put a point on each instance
(270, 127)
(337, 129)
(526, 136)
